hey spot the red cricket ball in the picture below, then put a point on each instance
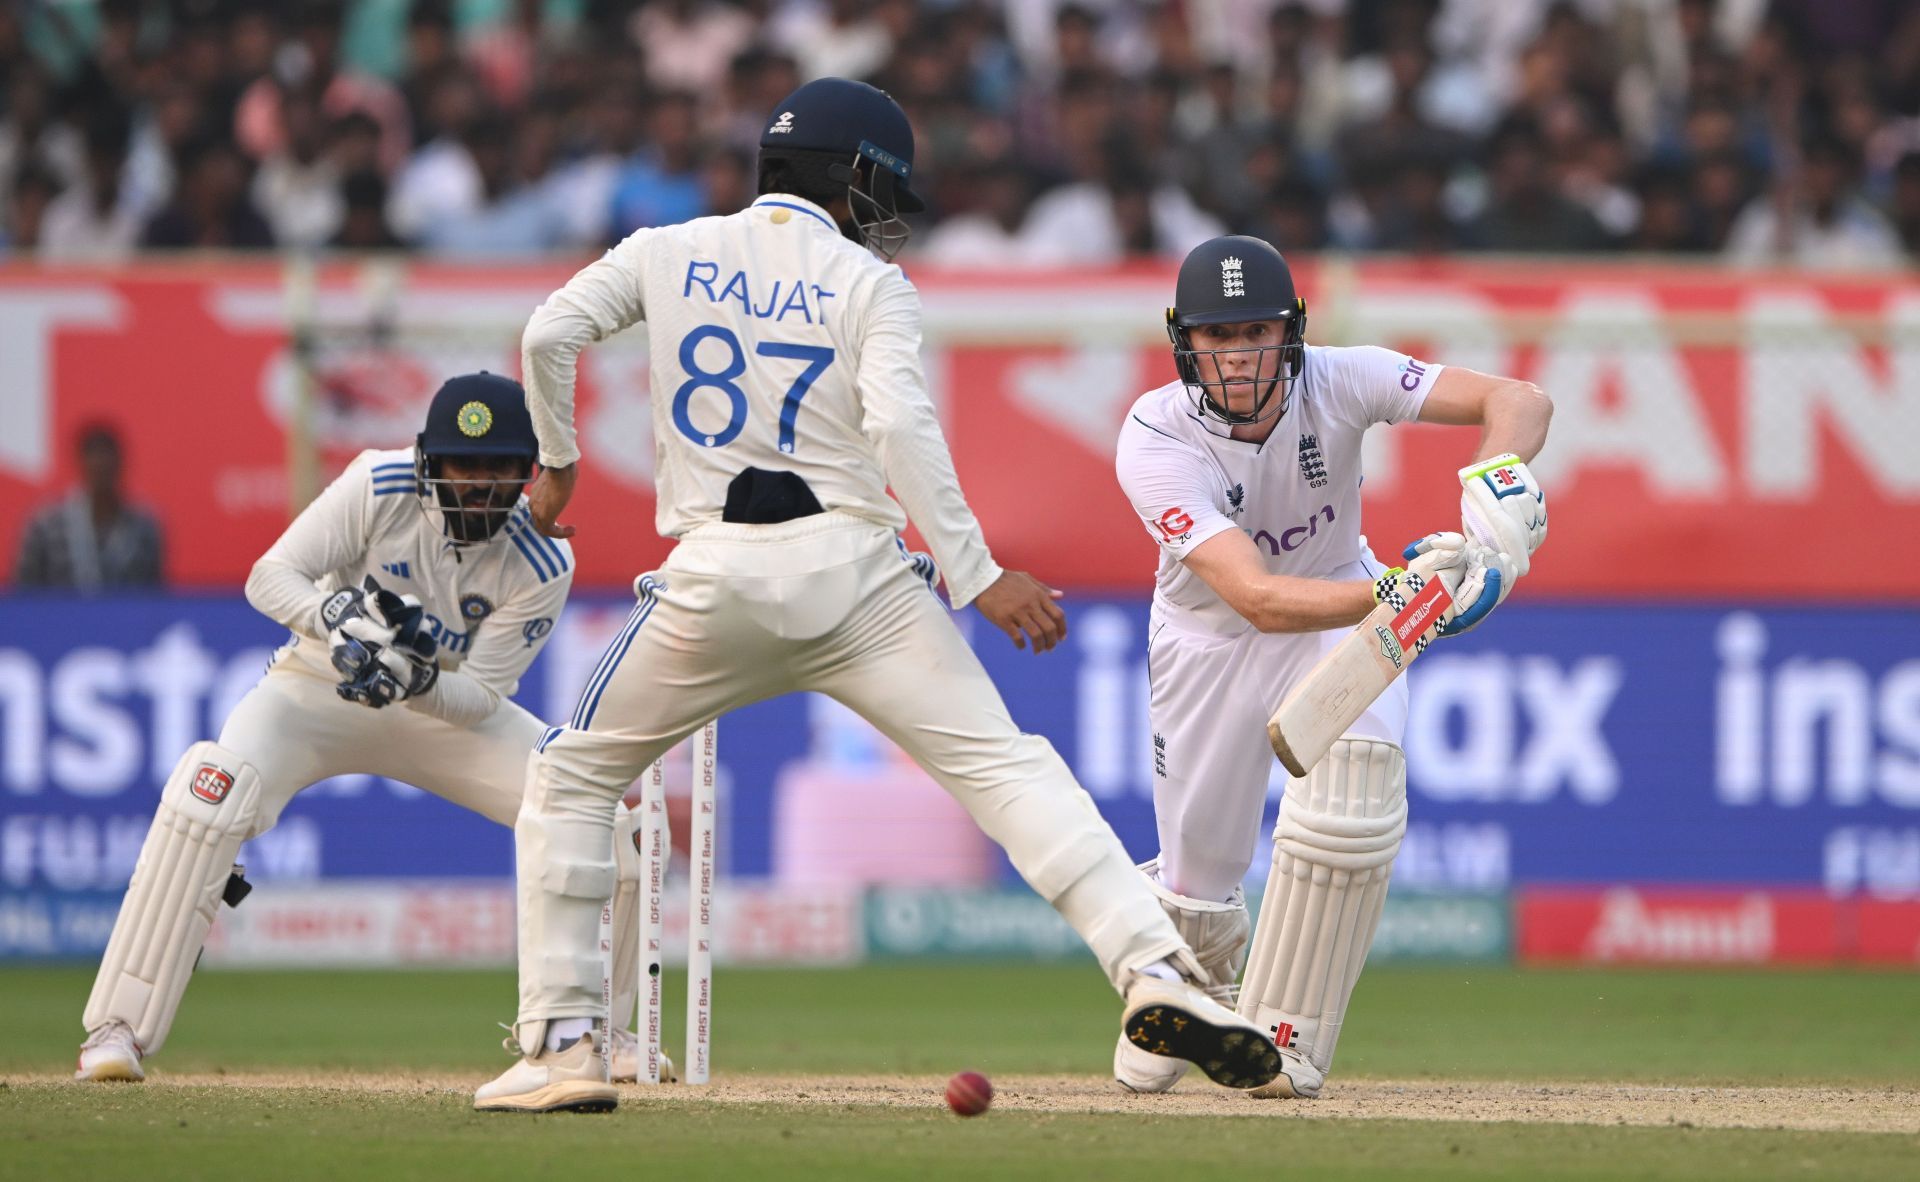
(969, 1093)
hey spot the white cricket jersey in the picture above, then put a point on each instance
(1297, 495)
(490, 605)
(776, 343)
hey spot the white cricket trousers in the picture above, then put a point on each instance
(295, 730)
(740, 613)
(1210, 700)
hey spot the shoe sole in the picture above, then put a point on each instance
(572, 1096)
(112, 1073)
(1231, 1056)
(1281, 1088)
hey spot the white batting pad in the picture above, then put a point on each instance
(563, 850)
(206, 811)
(1216, 931)
(1333, 852)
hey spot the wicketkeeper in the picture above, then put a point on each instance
(417, 594)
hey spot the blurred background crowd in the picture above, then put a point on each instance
(1051, 132)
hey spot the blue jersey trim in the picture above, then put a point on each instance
(610, 661)
(812, 213)
(553, 548)
(538, 547)
(526, 552)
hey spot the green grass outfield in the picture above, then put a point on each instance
(432, 1037)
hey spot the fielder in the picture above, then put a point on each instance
(417, 593)
(788, 397)
(1246, 471)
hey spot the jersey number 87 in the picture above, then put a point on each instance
(817, 358)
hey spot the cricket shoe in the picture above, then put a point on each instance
(1298, 1079)
(1175, 1019)
(570, 1080)
(1138, 1071)
(110, 1054)
(624, 1054)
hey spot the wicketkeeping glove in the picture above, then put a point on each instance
(1504, 508)
(380, 648)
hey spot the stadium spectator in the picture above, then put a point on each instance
(519, 210)
(30, 136)
(297, 189)
(97, 218)
(310, 59)
(442, 180)
(1371, 124)
(363, 218)
(32, 191)
(1906, 202)
(211, 209)
(688, 44)
(990, 202)
(1524, 212)
(94, 538)
(1815, 217)
(660, 185)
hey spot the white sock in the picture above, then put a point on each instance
(564, 1032)
(1163, 969)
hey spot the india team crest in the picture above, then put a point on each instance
(475, 419)
(475, 608)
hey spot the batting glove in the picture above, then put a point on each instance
(1504, 509)
(1477, 579)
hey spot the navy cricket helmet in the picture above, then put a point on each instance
(851, 134)
(480, 417)
(1237, 279)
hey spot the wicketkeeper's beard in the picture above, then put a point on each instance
(479, 515)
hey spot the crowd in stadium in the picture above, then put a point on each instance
(1050, 132)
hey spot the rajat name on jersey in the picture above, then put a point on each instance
(787, 295)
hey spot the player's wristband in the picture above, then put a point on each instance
(1386, 582)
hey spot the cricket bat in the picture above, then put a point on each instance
(1338, 690)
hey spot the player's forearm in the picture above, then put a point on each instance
(920, 470)
(549, 360)
(285, 595)
(1285, 603)
(458, 700)
(1515, 420)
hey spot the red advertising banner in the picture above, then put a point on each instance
(1631, 925)
(1715, 433)
(1889, 932)
(1659, 925)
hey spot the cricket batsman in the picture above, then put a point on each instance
(417, 592)
(1246, 471)
(788, 398)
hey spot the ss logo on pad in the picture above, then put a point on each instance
(211, 784)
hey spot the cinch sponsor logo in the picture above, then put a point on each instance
(1410, 375)
(1294, 537)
